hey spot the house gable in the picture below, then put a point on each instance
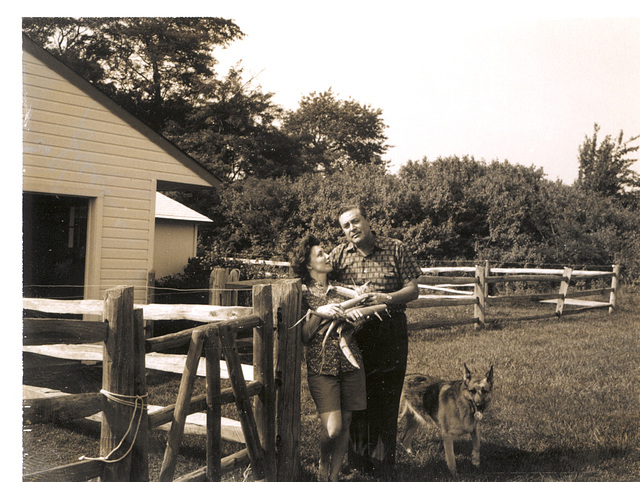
(78, 142)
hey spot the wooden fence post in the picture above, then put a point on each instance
(287, 298)
(488, 287)
(265, 404)
(478, 290)
(217, 286)
(564, 287)
(234, 275)
(151, 284)
(117, 379)
(214, 408)
(614, 287)
(140, 454)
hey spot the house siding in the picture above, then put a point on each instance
(176, 242)
(74, 144)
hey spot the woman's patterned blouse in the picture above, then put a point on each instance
(331, 360)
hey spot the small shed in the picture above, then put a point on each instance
(176, 238)
(91, 171)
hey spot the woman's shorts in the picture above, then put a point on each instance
(347, 391)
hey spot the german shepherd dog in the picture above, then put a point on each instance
(455, 406)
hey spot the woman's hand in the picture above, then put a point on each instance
(355, 316)
(332, 310)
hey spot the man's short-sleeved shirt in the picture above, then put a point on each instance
(389, 267)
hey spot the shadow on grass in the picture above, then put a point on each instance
(503, 463)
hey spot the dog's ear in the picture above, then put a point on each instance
(489, 375)
(467, 374)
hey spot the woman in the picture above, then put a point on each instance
(337, 385)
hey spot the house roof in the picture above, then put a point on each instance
(164, 184)
(167, 208)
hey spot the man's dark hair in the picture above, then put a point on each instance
(301, 255)
(349, 206)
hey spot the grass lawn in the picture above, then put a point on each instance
(565, 406)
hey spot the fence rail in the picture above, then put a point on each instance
(485, 277)
(123, 357)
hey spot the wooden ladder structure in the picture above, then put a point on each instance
(216, 339)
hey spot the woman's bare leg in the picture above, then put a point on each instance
(331, 431)
(340, 447)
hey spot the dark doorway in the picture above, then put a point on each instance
(54, 245)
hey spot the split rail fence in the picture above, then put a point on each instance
(268, 404)
(472, 286)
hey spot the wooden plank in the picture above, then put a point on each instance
(172, 363)
(422, 325)
(195, 422)
(575, 302)
(526, 297)
(41, 405)
(437, 280)
(450, 269)
(202, 313)
(83, 352)
(70, 307)
(525, 277)
(47, 331)
(448, 289)
(428, 301)
(75, 472)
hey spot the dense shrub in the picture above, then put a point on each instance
(449, 209)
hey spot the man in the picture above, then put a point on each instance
(388, 271)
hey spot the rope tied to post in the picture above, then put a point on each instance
(127, 401)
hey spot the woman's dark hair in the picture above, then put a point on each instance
(300, 257)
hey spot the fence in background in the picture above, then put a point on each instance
(473, 286)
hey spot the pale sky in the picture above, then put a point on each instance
(494, 83)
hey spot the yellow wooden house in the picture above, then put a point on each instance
(91, 173)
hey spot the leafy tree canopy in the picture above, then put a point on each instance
(151, 65)
(336, 133)
(605, 168)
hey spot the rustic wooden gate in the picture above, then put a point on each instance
(259, 427)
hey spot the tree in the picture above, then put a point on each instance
(605, 168)
(150, 65)
(336, 133)
(234, 132)
(163, 71)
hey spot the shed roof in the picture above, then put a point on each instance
(167, 208)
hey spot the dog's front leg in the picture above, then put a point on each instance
(449, 455)
(475, 452)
